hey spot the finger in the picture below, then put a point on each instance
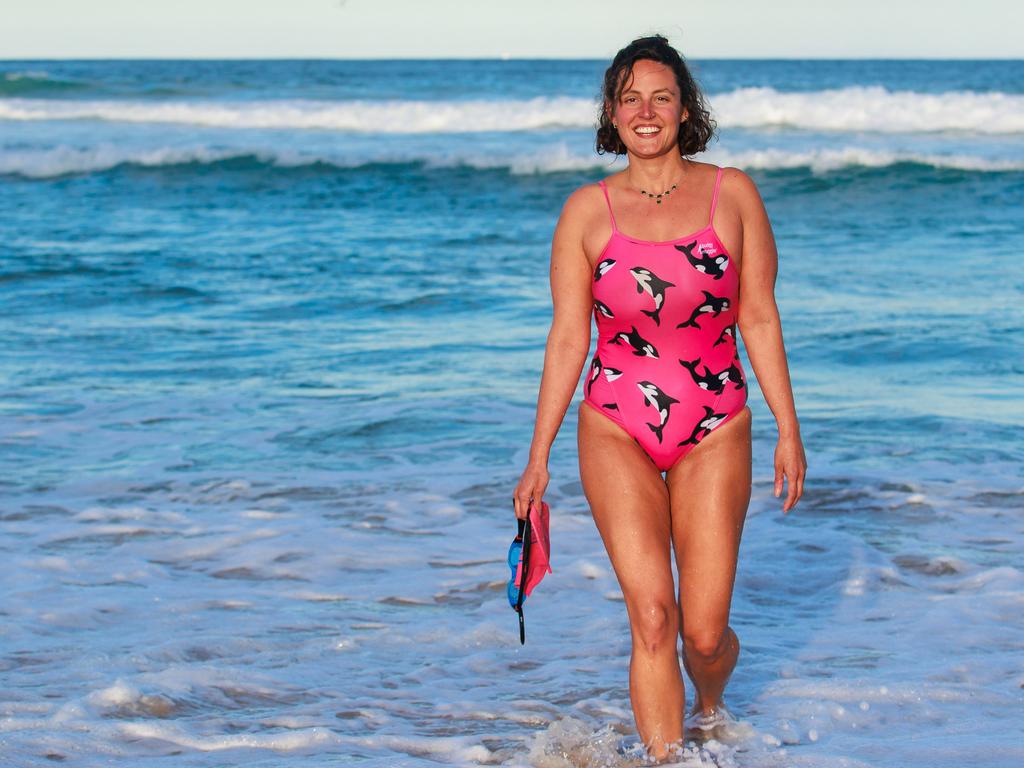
(792, 476)
(800, 486)
(525, 500)
(778, 481)
(790, 496)
(522, 502)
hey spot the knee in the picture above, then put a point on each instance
(655, 626)
(706, 643)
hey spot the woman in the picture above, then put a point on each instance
(665, 391)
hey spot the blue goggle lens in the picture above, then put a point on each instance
(514, 553)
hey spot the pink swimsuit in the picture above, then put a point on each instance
(666, 369)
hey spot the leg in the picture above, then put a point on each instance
(710, 491)
(629, 501)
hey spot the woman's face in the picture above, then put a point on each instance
(649, 111)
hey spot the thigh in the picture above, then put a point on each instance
(709, 493)
(629, 501)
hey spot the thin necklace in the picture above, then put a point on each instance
(657, 198)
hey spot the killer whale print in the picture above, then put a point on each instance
(704, 425)
(662, 402)
(712, 382)
(641, 347)
(649, 283)
(602, 268)
(714, 266)
(733, 374)
(595, 370)
(728, 334)
(712, 304)
(603, 309)
(656, 355)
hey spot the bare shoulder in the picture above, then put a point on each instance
(740, 188)
(583, 199)
(581, 207)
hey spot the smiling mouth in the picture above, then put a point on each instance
(647, 130)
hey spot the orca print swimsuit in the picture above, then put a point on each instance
(667, 368)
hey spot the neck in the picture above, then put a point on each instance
(656, 174)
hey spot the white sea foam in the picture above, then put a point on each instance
(28, 74)
(61, 160)
(116, 695)
(279, 742)
(871, 108)
(396, 117)
(554, 158)
(824, 160)
(447, 748)
(861, 108)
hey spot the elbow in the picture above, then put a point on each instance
(571, 343)
(757, 313)
(753, 322)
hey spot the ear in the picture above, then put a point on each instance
(685, 116)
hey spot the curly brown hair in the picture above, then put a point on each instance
(698, 129)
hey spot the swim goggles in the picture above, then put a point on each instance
(519, 552)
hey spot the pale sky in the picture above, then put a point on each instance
(513, 28)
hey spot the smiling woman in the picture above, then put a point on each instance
(666, 392)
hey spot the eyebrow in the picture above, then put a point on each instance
(660, 90)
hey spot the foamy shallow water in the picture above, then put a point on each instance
(259, 622)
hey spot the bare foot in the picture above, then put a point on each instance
(699, 709)
(708, 722)
(673, 751)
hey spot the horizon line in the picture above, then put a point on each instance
(505, 58)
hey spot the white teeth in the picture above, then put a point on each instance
(648, 129)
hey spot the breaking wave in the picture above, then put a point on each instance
(65, 160)
(873, 109)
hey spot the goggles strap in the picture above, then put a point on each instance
(525, 532)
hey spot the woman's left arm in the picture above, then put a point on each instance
(761, 329)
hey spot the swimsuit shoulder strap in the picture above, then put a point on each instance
(714, 197)
(611, 215)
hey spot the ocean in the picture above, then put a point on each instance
(271, 339)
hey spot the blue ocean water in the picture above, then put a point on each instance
(272, 333)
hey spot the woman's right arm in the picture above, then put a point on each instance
(567, 346)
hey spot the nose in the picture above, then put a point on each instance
(647, 108)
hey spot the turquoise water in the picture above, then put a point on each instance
(272, 334)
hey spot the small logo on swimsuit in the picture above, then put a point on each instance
(708, 249)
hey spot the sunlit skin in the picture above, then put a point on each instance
(698, 508)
